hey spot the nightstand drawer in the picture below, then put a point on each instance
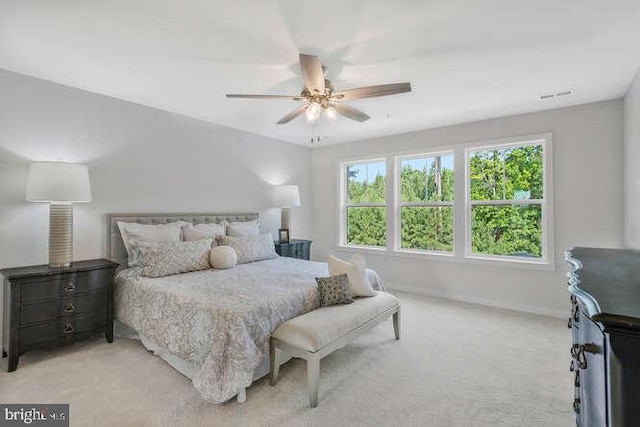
(50, 310)
(62, 328)
(66, 284)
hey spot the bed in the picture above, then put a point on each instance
(212, 325)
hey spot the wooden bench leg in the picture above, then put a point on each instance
(313, 377)
(396, 323)
(273, 362)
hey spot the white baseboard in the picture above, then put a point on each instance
(477, 300)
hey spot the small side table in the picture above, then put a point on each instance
(295, 248)
(46, 307)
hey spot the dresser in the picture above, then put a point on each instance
(295, 248)
(605, 327)
(48, 307)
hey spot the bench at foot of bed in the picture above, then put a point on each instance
(320, 332)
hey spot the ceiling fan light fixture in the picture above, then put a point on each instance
(331, 114)
(313, 112)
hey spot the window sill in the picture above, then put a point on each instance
(446, 257)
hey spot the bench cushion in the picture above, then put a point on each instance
(314, 330)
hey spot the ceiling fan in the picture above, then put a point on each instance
(320, 97)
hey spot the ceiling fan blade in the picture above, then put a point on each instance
(292, 115)
(237, 95)
(372, 91)
(312, 73)
(350, 112)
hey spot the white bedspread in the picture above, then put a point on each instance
(220, 321)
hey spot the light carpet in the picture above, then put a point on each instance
(457, 365)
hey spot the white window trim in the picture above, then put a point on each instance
(344, 205)
(548, 255)
(398, 204)
(462, 225)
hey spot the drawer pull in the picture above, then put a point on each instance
(572, 367)
(575, 312)
(576, 380)
(70, 308)
(576, 405)
(578, 353)
(69, 287)
(570, 325)
(68, 328)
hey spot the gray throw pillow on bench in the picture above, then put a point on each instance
(333, 290)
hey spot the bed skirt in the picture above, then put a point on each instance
(121, 330)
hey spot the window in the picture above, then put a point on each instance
(505, 189)
(426, 202)
(473, 202)
(365, 208)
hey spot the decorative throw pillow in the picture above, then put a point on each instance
(356, 271)
(246, 228)
(160, 259)
(132, 231)
(333, 290)
(223, 257)
(251, 248)
(192, 232)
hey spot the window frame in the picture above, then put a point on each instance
(345, 205)
(461, 207)
(399, 204)
(546, 225)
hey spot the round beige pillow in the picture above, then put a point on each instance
(223, 257)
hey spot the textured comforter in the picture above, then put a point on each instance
(220, 321)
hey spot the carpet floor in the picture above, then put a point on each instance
(457, 365)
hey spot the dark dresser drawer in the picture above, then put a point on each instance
(66, 284)
(605, 320)
(50, 310)
(62, 328)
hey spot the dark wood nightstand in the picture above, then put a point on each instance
(48, 307)
(296, 248)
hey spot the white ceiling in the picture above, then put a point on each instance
(466, 59)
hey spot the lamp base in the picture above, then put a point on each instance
(60, 235)
(285, 218)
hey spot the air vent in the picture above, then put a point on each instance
(556, 95)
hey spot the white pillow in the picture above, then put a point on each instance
(246, 228)
(160, 259)
(251, 248)
(132, 231)
(192, 232)
(223, 257)
(356, 271)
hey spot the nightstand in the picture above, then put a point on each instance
(296, 248)
(48, 307)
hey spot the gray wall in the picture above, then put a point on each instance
(632, 164)
(589, 199)
(140, 160)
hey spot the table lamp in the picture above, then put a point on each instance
(285, 196)
(60, 185)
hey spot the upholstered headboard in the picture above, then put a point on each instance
(115, 246)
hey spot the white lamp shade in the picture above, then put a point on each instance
(58, 182)
(285, 196)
